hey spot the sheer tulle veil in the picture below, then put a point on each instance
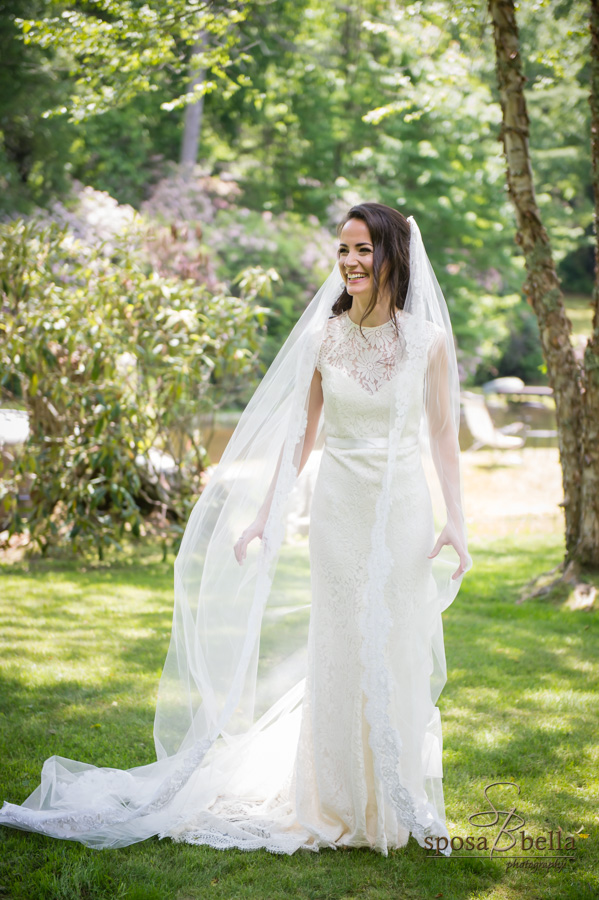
(229, 699)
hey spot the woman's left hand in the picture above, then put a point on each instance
(450, 536)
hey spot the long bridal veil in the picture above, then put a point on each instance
(229, 700)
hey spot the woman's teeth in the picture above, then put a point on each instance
(356, 277)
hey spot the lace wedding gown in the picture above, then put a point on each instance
(339, 795)
(351, 757)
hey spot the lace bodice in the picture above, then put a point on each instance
(368, 356)
(358, 372)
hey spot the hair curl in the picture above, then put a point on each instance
(390, 234)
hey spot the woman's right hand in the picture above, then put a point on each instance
(452, 536)
(256, 529)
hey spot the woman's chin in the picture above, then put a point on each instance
(358, 290)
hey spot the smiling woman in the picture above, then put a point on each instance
(356, 258)
(374, 262)
(257, 746)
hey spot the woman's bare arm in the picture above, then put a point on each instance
(256, 529)
(445, 450)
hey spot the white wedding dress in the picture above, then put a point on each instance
(338, 794)
(352, 755)
(311, 780)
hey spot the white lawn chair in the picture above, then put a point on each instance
(483, 429)
(14, 427)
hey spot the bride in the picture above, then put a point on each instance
(337, 742)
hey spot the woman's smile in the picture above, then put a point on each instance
(353, 277)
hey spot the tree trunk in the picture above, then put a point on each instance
(587, 550)
(542, 284)
(192, 129)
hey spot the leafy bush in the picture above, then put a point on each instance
(199, 231)
(519, 351)
(111, 360)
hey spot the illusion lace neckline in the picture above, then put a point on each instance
(369, 327)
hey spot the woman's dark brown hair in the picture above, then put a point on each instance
(390, 234)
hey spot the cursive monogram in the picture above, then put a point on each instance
(510, 816)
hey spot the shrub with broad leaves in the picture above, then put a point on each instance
(114, 363)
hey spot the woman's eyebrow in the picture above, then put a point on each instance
(360, 244)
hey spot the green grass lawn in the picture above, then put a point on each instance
(82, 651)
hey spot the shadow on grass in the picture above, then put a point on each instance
(518, 706)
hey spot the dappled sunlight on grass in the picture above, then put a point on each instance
(513, 493)
(81, 657)
(520, 702)
(81, 654)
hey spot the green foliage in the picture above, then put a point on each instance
(34, 152)
(309, 108)
(206, 234)
(124, 151)
(301, 251)
(114, 50)
(517, 351)
(555, 42)
(383, 103)
(111, 360)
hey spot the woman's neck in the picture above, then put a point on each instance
(378, 316)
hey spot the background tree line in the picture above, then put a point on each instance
(316, 104)
(302, 108)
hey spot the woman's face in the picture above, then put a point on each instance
(356, 258)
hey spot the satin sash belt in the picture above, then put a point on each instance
(374, 443)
